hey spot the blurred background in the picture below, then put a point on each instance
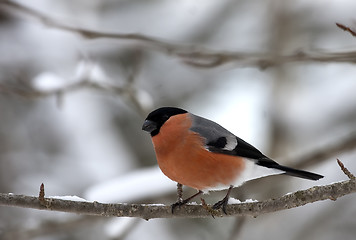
(72, 107)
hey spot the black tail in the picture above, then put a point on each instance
(269, 163)
(299, 173)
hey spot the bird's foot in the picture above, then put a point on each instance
(182, 202)
(223, 203)
(178, 204)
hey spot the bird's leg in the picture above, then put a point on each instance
(179, 192)
(180, 201)
(223, 203)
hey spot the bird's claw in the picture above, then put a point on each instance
(221, 204)
(178, 204)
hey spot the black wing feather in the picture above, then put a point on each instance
(244, 149)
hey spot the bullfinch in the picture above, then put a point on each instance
(201, 154)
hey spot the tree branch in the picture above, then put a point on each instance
(149, 211)
(325, 152)
(194, 55)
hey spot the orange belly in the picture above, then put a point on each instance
(182, 157)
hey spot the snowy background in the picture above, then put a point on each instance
(88, 142)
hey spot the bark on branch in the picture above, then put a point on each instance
(149, 211)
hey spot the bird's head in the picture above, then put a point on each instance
(158, 117)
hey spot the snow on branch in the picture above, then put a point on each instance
(194, 55)
(149, 211)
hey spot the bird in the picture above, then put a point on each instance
(201, 154)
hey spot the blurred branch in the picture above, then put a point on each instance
(347, 29)
(86, 33)
(237, 227)
(56, 226)
(210, 59)
(127, 91)
(149, 211)
(33, 93)
(48, 227)
(324, 153)
(193, 55)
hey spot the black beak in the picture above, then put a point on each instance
(149, 126)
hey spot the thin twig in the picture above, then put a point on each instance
(345, 170)
(347, 29)
(41, 195)
(209, 209)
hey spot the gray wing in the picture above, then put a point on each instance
(220, 140)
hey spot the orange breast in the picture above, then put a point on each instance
(182, 157)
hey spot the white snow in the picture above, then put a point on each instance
(49, 81)
(70, 198)
(237, 201)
